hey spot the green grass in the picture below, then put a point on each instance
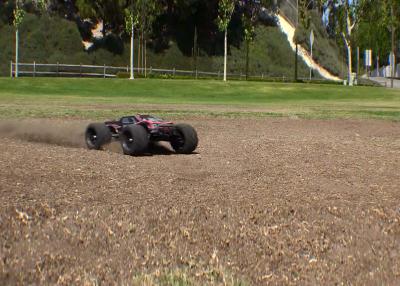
(99, 98)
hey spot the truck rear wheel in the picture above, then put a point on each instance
(97, 135)
(185, 140)
(134, 140)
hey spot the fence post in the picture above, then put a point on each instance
(197, 73)
(80, 70)
(104, 71)
(11, 70)
(34, 68)
(58, 69)
(151, 69)
(262, 76)
(219, 73)
(174, 72)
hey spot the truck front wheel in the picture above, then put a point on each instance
(134, 140)
(185, 139)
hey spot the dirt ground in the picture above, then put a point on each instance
(267, 201)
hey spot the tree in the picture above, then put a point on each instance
(147, 11)
(391, 21)
(225, 11)
(251, 10)
(347, 14)
(303, 7)
(131, 19)
(18, 18)
(42, 5)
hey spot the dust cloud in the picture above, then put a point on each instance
(55, 132)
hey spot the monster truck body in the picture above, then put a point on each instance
(136, 132)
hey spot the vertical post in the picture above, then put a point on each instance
(34, 69)
(58, 69)
(358, 61)
(16, 51)
(377, 65)
(311, 64)
(226, 53)
(393, 59)
(104, 71)
(80, 70)
(145, 57)
(11, 70)
(174, 71)
(295, 62)
(132, 51)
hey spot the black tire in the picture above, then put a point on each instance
(97, 135)
(185, 139)
(134, 140)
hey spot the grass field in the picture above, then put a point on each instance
(98, 98)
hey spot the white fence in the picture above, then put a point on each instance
(66, 70)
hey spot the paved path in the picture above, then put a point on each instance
(386, 81)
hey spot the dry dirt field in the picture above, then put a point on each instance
(266, 201)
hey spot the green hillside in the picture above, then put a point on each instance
(52, 40)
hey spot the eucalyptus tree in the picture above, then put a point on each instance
(225, 11)
(346, 16)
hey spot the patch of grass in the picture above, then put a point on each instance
(187, 277)
(99, 98)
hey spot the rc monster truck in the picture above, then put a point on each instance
(137, 132)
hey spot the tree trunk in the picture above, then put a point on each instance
(349, 63)
(296, 59)
(225, 52)
(16, 51)
(247, 58)
(145, 57)
(138, 60)
(393, 60)
(349, 59)
(132, 52)
(143, 52)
